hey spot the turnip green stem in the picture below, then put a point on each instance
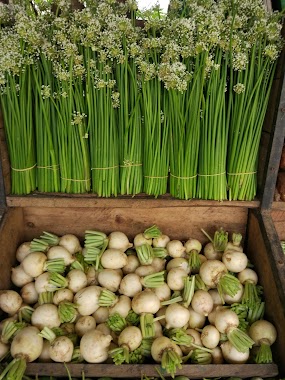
(116, 322)
(154, 280)
(152, 232)
(239, 339)
(264, 354)
(67, 312)
(107, 298)
(55, 265)
(145, 254)
(188, 291)
(171, 361)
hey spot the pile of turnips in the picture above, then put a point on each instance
(153, 300)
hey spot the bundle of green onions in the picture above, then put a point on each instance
(174, 106)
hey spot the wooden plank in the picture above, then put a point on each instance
(140, 200)
(274, 154)
(278, 216)
(137, 370)
(265, 253)
(177, 222)
(11, 235)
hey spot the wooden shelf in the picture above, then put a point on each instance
(137, 370)
(141, 200)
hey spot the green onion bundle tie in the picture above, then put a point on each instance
(211, 175)
(159, 177)
(192, 177)
(76, 180)
(107, 168)
(129, 165)
(51, 167)
(249, 173)
(25, 169)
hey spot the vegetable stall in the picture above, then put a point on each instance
(135, 240)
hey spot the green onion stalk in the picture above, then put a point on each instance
(101, 103)
(184, 113)
(156, 126)
(249, 96)
(129, 125)
(48, 178)
(17, 109)
(72, 134)
(212, 182)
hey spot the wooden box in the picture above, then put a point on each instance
(179, 221)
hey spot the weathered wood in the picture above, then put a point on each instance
(264, 251)
(11, 235)
(275, 125)
(140, 200)
(278, 216)
(177, 222)
(137, 370)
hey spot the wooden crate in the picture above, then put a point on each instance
(180, 221)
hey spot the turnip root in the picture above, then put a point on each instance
(123, 306)
(145, 270)
(129, 340)
(92, 276)
(210, 336)
(4, 349)
(130, 285)
(145, 302)
(163, 292)
(94, 346)
(19, 277)
(196, 341)
(164, 351)
(132, 264)
(227, 322)
(217, 355)
(35, 263)
(214, 274)
(45, 315)
(110, 279)
(175, 248)
(249, 279)
(101, 314)
(235, 261)
(193, 248)
(62, 295)
(232, 355)
(45, 356)
(29, 293)
(61, 349)
(175, 278)
(196, 320)
(178, 262)
(202, 302)
(118, 240)
(77, 280)
(140, 240)
(26, 347)
(236, 298)
(58, 252)
(176, 316)
(87, 299)
(71, 243)
(23, 250)
(161, 241)
(264, 335)
(10, 301)
(113, 259)
(217, 245)
(84, 324)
